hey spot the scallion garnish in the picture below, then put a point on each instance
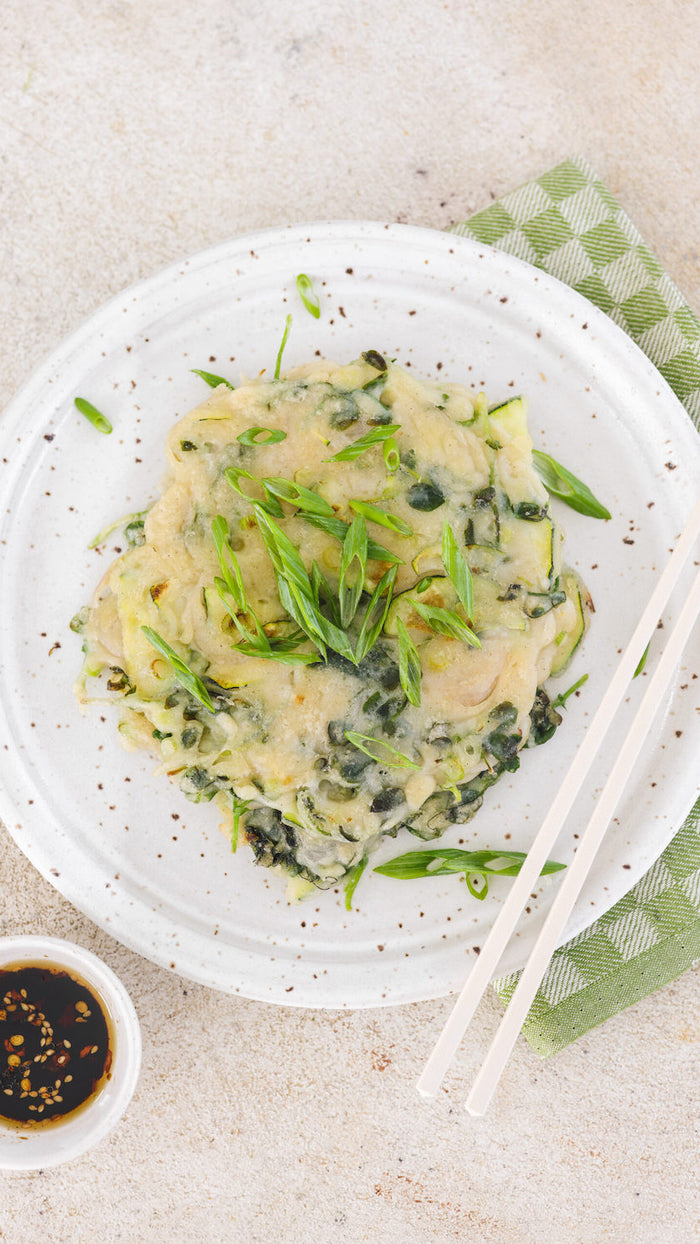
(379, 750)
(209, 378)
(93, 415)
(296, 591)
(228, 561)
(257, 641)
(234, 475)
(323, 593)
(450, 861)
(457, 569)
(262, 436)
(382, 517)
(642, 662)
(375, 614)
(477, 885)
(392, 460)
(353, 564)
(239, 807)
(284, 555)
(567, 487)
(282, 655)
(409, 664)
(351, 879)
(184, 675)
(231, 585)
(295, 494)
(283, 342)
(308, 295)
(363, 443)
(101, 536)
(446, 622)
(337, 527)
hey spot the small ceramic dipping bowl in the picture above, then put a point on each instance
(70, 1051)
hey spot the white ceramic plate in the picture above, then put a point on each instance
(127, 848)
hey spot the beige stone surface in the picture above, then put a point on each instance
(130, 135)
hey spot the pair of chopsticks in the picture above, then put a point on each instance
(485, 966)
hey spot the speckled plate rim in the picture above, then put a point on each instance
(129, 310)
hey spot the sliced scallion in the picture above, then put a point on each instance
(383, 433)
(283, 342)
(441, 862)
(446, 622)
(376, 515)
(375, 614)
(209, 378)
(353, 564)
(457, 569)
(93, 415)
(567, 486)
(351, 879)
(295, 494)
(239, 807)
(337, 527)
(379, 750)
(392, 460)
(184, 675)
(409, 664)
(308, 295)
(262, 436)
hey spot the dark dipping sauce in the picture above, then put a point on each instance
(55, 1046)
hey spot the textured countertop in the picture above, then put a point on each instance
(132, 134)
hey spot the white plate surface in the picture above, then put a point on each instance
(127, 848)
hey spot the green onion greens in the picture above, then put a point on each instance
(184, 675)
(457, 570)
(308, 295)
(93, 415)
(383, 433)
(476, 866)
(567, 487)
(379, 750)
(239, 807)
(262, 436)
(209, 378)
(375, 614)
(337, 527)
(353, 565)
(446, 622)
(351, 879)
(303, 498)
(375, 515)
(283, 342)
(392, 460)
(409, 664)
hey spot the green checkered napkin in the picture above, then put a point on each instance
(567, 223)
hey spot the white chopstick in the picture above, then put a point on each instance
(575, 875)
(485, 966)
